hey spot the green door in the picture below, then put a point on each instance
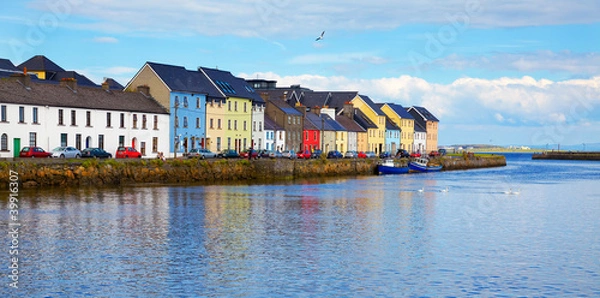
(16, 147)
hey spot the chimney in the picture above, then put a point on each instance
(316, 110)
(70, 83)
(105, 86)
(264, 96)
(348, 110)
(144, 89)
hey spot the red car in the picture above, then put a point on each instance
(127, 152)
(415, 154)
(434, 154)
(34, 152)
(361, 155)
(304, 154)
(253, 153)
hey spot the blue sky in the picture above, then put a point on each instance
(514, 72)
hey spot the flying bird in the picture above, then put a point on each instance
(320, 36)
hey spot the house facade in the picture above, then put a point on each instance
(34, 113)
(392, 137)
(397, 114)
(428, 121)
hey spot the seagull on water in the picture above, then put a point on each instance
(421, 190)
(445, 189)
(320, 36)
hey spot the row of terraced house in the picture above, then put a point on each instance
(170, 109)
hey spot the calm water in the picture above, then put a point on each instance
(363, 237)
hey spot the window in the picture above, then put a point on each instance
(4, 142)
(61, 117)
(154, 144)
(176, 101)
(211, 123)
(229, 124)
(101, 141)
(219, 123)
(78, 141)
(245, 125)
(260, 126)
(229, 105)
(144, 121)
(32, 139)
(35, 115)
(176, 121)
(197, 102)
(73, 118)
(235, 106)
(156, 122)
(21, 114)
(3, 113)
(63, 139)
(253, 125)
(135, 120)
(121, 141)
(289, 120)
(245, 108)
(197, 122)
(185, 122)
(218, 143)
(122, 124)
(235, 124)
(108, 124)
(88, 118)
(143, 148)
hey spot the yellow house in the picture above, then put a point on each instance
(238, 116)
(376, 131)
(404, 120)
(215, 118)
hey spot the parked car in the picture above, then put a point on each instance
(442, 151)
(95, 153)
(253, 153)
(350, 154)
(434, 154)
(402, 153)
(201, 153)
(269, 154)
(228, 153)
(66, 152)
(291, 154)
(385, 154)
(361, 155)
(370, 154)
(334, 154)
(127, 152)
(34, 152)
(316, 153)
(303, 154)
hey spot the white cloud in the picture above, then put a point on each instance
(105, 39)
(267, 18)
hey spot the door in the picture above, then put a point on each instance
(16, 147)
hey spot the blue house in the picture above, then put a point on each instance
(185, 94)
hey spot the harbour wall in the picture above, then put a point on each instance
(76, 173)
(567, 155)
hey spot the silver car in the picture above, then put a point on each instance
(291, 154)
(201, 153)
(66, 152)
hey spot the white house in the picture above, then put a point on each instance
(420, 141)
(48, 115)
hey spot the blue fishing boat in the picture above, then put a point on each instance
(422, 165)
(388, 166)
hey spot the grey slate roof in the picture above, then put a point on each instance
(349, 123)
(363, 120)
(270, 124)
(179, 79)
(231, 85)
(425, 113)
(418, 113)
(7, 68)
(40, 63)
(81, 79)
(398, 109)
(390, 125)
(113, 85)
(43, 94)
(285, 107)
